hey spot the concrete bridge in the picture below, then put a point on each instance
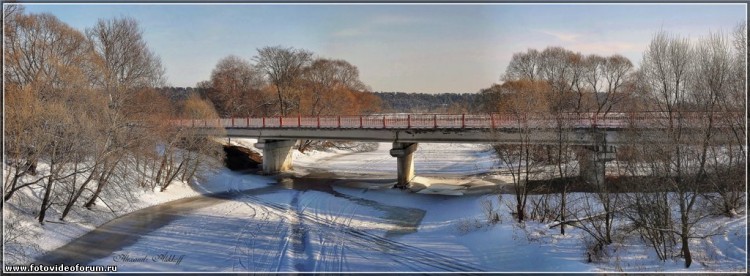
(599, 135)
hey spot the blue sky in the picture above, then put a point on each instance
(411, 48)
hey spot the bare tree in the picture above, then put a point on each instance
(590, 82)
(50, 66)
(684, 79)
(740, 60)
(88, 149)
(283, 68)
(523, 66)
(127, 68)
(200, 153)
(330, 83)
(23, 141)
(558, 70)
(606, 79)
(235, 87)
(522, 99)
(713, 84)
(617, 76)
(330, 87)
(128, 64)
(563, 71)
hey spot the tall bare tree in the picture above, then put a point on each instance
(686, 78)
(522, 100)
(523, 66)
(714, 82)
(235, 87)
(283, 68)
(49, 69)
(330, 83)
(128, 63)
(127, 68)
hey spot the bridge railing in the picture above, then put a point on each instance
(485, 121)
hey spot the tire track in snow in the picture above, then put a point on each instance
(409, 254)
(723, 247)
(269, 233)
(300, 237)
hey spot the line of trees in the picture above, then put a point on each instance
(283, 81)
(83, 122)
(448, 103)
(675, 184)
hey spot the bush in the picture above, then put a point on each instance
(465, 226)
(490, 212)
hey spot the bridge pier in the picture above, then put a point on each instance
(592, 161)
(277, 155)
(404, 152)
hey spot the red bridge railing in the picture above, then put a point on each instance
(468, 121)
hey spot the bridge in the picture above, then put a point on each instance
(599, 134)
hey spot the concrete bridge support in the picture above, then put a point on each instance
(277, 155)
(405, 162)
(592, 161)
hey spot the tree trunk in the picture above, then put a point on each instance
(12, 189)
(281, 101)
(157, 179)
(685, 246)
(169, 178)
(608, 226)
(45, 200)
(195, 168)
(562, 209)
(77, 195)
(103, 179)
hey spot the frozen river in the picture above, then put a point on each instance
(257, 223)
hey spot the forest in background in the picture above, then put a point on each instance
(390, 102)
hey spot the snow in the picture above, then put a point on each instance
(55, 233)
(464, 169)
(362, 226)
(22, 208)
(429, 160)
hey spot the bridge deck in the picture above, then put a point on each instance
(585, 129)
(461, 121)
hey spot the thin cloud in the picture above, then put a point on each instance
(390, 19)
(562, 36)
(378, 22)
(607, 47)
(350, 32)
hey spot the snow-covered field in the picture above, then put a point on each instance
(258, 225)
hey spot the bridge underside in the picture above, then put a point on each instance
(277, 157)
(599, 140)
(277, 143)
(543, 136)
(506, 136)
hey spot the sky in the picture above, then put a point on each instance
(426, 48)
